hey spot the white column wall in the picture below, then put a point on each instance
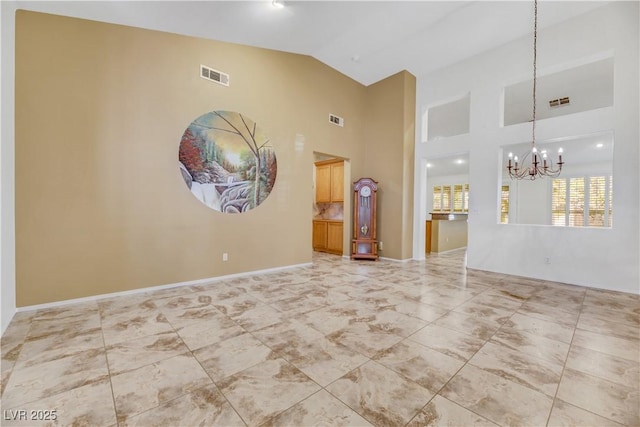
(7, 168)
(602, 258)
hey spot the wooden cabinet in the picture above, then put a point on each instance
(327, 236)
(330, 181)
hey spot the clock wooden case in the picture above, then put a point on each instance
(364, 244)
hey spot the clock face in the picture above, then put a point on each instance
(365, 191)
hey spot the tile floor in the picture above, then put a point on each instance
(337, 343)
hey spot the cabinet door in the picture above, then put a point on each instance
(323, 184)
(337, 182)
(334, 237)
(319, 235)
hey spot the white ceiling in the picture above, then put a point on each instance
(366, 40)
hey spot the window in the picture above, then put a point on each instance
(446, 198)
(437, 199)
(559, 202)
(458, 198)
(582, 201)
(504, 205)
(576, 202)
(446, 201)
(466, 197)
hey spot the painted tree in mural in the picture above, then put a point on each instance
(190, 154)
(248, 134)
(230, 160)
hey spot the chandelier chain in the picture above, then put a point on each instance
(541, 165)
(535, 71)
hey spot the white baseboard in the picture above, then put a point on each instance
(157, 288)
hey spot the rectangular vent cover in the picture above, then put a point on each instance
(560, 102)
(214, 75)
(336, 120)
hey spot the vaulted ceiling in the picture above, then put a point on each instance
(366, 40)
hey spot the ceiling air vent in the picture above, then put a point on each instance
(214, 75)
(336, 120)
(559, 102)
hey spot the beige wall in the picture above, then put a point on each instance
(448, 235)
(388, 158)
(100, 203)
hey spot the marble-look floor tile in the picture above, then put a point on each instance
(364, 338)
(380, 395)
(320, 409)
(532, 345)
(446, 297)
(447, 341)
(416, 309)
(220, 292)
(611, 314)
(202, 407)
(605, 398)
(538, 374)
(47, 328)
(427, 367)
(497, 399)
(133, 354)
(31, 383)
(483, 311)
(618, 301)
(64, 344)
(551, 314)
(479, 328)
(611, 368)
(310, 351)
(566, 415)
(123, 324)
(543, 328)
(211, 331)
(233, 355)
(614, 346)
(187, 309)
(88, 405)
(152, 385)
(608, 327)
(441, 412)
(496, 298)
(298, 304)
(264, 390)
(249, 312)
(332, 319)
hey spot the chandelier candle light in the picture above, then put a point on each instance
(536, 169)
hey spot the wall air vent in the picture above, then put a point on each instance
(214, 75)
(336, 120)
(559, 102)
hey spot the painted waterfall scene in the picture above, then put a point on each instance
(227, 161)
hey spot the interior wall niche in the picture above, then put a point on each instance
(583, 88)
(449, 119)
(582, 196)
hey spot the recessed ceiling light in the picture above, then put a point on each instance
(278, 4)
(429, 165)
(599, 145)
(459, 161)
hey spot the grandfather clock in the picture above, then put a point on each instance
(364, 245)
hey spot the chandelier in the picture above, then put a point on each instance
(540, 165)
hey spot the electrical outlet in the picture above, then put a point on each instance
(380, 245)
(225, 256)
(547, 260)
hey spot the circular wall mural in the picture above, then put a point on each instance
(227, 161)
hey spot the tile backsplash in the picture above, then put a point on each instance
(333, 211)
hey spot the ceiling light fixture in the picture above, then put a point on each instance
(540, 165)
(278, 4)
